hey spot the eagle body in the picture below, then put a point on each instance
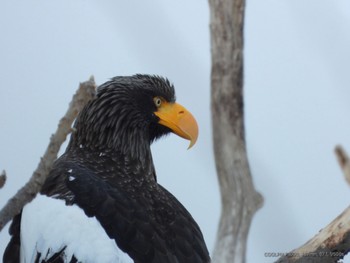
(101, 201)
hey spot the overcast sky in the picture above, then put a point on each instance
(297, 93)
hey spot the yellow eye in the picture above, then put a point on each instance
(157, 101)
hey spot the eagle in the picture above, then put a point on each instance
(101, 201)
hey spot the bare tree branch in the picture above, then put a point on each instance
(332, 242)
(329, 245)
(85, 93)
(239, 198)
(2, 179)
(344, 162)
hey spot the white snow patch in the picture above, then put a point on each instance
(81, 146)
(70, 170)
(71, 178)
(49, 224)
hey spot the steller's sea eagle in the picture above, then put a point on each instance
(101, 202)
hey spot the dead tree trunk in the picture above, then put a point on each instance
(238, 196)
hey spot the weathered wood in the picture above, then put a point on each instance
(332, 242)
(2, 179)
(26, 194)
(344, 162)
(239, 198)
(329, 245)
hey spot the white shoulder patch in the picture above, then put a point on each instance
(48, 225)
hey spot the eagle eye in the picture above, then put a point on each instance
(157, 101)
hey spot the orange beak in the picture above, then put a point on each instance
(179, 120)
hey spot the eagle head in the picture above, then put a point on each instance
(129, 113)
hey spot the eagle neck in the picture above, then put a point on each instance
(132, 146)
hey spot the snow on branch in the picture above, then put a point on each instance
(84, 94)
(332, 242)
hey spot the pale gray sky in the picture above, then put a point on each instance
(296, 93)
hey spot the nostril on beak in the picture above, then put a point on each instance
(181, 112)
